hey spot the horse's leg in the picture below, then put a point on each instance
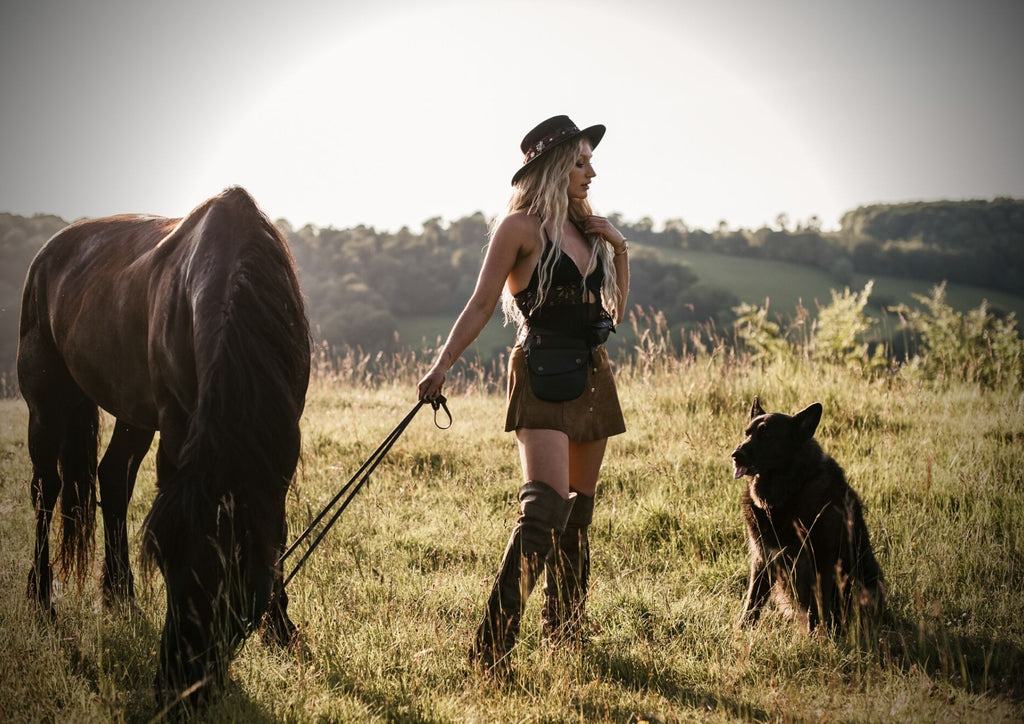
(278, 628)
(53, 399)
(117, 472)
(78, 463)
(43, 445)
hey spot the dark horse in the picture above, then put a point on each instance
(194, 327)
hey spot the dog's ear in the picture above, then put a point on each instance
(807, 420)
(755, 409)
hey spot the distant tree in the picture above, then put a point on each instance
(734, 243)
(676, 233)
(678, 225)
(644, 228)
(699, 240)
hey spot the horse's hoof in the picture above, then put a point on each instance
(283, 634)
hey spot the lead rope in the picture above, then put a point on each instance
(361, 476)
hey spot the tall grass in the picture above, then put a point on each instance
(388, 603)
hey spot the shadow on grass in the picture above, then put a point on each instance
(639, 675)
(122, 673)
(977, 664)
(233, 704)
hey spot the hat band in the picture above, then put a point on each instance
(538, 148)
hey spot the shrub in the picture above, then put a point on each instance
(763, 337)
(838, 335)
(976, 346)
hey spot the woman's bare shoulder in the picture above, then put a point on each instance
(519, 227)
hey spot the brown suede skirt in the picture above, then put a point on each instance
(594, 415)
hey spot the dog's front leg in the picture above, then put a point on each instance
(758, 590)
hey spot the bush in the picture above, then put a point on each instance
(976, 346)
(762, 337)
(839, 333)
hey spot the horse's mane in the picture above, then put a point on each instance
(243, 439)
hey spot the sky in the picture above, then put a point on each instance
(392, 112)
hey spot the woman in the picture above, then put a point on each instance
(565, 276)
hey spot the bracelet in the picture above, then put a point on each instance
(625, 248)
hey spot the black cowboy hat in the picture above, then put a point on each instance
(550, 133)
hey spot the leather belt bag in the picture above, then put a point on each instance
(557, 365)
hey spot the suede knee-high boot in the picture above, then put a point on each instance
(566, 576)
(541, 522)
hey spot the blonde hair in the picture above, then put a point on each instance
(544, 191)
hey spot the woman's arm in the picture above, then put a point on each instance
(510, 242)
(621, 261)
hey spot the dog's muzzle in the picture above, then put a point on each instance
(740, 465)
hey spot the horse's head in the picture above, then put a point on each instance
(233, 366)
(218, 568)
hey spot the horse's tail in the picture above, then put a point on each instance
(252, 346)
(77, 460)
(68, 432)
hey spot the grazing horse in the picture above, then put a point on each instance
(195, 328)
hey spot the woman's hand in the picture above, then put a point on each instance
(432, 383)
(601, 226)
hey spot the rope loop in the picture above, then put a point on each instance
(437, 403)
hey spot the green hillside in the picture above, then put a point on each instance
(786, 284)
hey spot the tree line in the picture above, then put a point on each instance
(974, 242)
(361, 283)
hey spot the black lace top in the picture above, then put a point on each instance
(563, 309)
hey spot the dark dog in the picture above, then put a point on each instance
(805, 528)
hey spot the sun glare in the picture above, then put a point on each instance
(421, 116)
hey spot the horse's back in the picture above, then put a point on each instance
(82, 309)
(125, 305)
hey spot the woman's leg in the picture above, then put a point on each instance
(545, 503)
(567, 567)
(544, 455)
(585, 460)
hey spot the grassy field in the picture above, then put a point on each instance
(389, 602)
